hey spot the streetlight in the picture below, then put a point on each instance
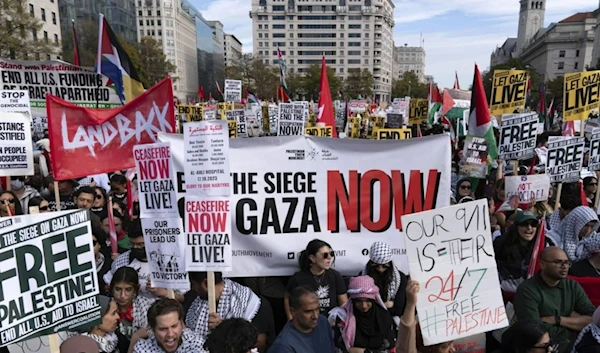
(409, 87)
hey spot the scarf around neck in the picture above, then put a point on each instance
(108, 343)
(593, 329)
(346, 314)
(393, 285)
(570, 228)
(236, 301)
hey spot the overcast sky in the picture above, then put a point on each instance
(456, 33)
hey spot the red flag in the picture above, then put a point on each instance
(540, 243)
(201, 93)
(326, 116)
(584, 201)
(448, 103)
(75, 46)
(283, 95)
(104, 138)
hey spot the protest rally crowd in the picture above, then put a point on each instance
(477, 234)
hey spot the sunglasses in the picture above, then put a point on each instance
(43, 208)
(99, 196)
(95, 242)
(545, 346)
(465, 187)
(592, 184)
(326, 255)
(8, 200)
(378, 265)
(531, 223)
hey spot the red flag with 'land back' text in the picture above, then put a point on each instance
(95, 141)
(326, 116)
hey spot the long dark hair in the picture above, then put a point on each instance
(18, 207)
(311, 249)
(522, 336)
(510, 250)
(382, 280)
(127, 275)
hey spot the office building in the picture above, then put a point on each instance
(353, 34)
(171, 25)
(233, 49)
(48, 13)
(409, 59)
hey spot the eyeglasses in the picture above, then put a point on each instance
(43, 208)
(326, 255)
(8, 200)
(465, 187)
(379, 265)
(99, 196)
(559, 263)
(592, 184)
(546, 346)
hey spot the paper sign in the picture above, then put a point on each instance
(208, 233)
(528, 187)
(207, 158)
(233, 91)
(594, 161)
(475, 154)
(165, 243)
(321, 131)
(580, 95)
(394, 134)
(450, 253)
(565, 158)
(394, 121)
(154, 166)
(518, 135)
(291, 120)
(418, 111)
(189, 112)
(240, 117)
(16, 147)
(49, 281)
(15, 102)
(233, 129)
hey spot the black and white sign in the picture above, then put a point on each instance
(15, 102)
(233, 91)
(565, 158)
(291, 120)
(518, 136)
(394, 121)
(16, 147)
(240, 117)
(594, 162)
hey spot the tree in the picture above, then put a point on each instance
(409, 85)
(554, 90)
(132, 52)
(265, 79)
(242, 70)
(87, 37)
(311, 82)
(19, 31)
(153, 60)
(358, 82)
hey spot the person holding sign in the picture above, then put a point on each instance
(409, 335)
(556, 301)
(364, 321)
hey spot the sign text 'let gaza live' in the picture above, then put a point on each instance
(450, 252)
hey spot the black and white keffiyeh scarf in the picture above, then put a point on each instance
(570, 228)
(108, 343)
(595, 331)
(393, 285)
(190, 343)
(236, 301)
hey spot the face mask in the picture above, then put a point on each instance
(17, 184)
(138, 254)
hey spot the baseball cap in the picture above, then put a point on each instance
(524, 216)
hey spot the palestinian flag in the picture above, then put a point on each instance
(252, 98)
(435, 103)
(480, 122)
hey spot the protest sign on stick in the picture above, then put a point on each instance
(474, 162)
(394, 134)
(418, 110)
(450, 252)
(155, 173)
(233, 91)
(594, 161)
(291, 120)
(16, 148)
(565, 158)
(518, 135)
(580, 95)
(528, 187)
(509, 92)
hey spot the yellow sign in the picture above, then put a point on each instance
(581, 96)
(266, 121)
(322, 131)
(191, 112)
(353, 128)
(509, 92)
(232, 125)
(418, 110)
(375, 123)
(394, 134)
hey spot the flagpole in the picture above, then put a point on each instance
(99, 58)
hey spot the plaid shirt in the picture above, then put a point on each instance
(190, 343)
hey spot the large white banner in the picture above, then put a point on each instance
(450, 253)
(287, 191)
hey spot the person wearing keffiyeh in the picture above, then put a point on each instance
(389, 279)
(571, 235)
(588, 340)
(104, 333)
(589, 266)
(363, 321)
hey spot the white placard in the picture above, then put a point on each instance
(518, 135)
(527, 187)
(239, 116)
(15, 102)
(155, 180)
(565, 158)
(594, 161)
(291, 120)
(16, 147)
(450, 253)
(233, 91)
(207, 158)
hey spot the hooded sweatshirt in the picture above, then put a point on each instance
(28, 194)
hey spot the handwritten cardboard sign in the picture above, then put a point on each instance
(450, 253)
(528, 187)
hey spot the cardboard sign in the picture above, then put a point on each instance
(233, 129)
(208, 233)
(49, 281)
(565, 158)
(518, 135)
(291, 120)
(394, 134)
(321, 131)
(581, 95)
(528, 187)
(509, 92)
(418, 111)
(353, 128)
(594, 161)
(16, 147)
(207, 158)
(233, 91)
(165, 243)
(154, 167)
(474, 162)
(450, 252)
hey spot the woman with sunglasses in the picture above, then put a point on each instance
(390, 280)
(100, 202)
(590, 186)
(513, 250)
(316, 273)
(463, 189)
(39, 202)
(527, 336)
(8, 199)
